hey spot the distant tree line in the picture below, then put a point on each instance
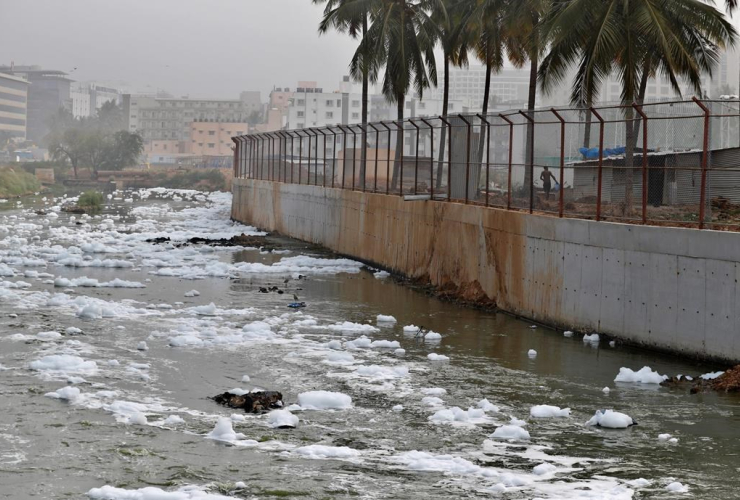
(96, 143)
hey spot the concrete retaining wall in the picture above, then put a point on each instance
(668, 288)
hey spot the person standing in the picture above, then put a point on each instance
(545, 177)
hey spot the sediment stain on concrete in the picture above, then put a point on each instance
(576, 274)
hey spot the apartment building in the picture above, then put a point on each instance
(13, 102)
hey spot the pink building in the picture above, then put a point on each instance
(214, 138)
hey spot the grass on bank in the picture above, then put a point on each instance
(17, 182)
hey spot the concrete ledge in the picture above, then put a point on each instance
(668, 288)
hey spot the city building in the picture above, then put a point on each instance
(280, 98)
(80, 102)
(510, 85)
(310, 106)
(252, 102)
(49, 90)
(167, 125)
(214, 138)
(13, 98)
(88, 98)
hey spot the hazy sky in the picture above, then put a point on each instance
(206, 48)
(209, 48)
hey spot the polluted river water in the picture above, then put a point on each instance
(111, 348)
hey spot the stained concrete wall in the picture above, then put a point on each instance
(670, 288)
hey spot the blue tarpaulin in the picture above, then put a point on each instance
(593, 153)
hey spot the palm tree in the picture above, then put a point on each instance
(635, 40)
(487, 33)
(351, 16)
(451, 22)
(527, 43)
(399, 47)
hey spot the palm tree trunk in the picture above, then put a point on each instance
(632, 134)
(529, 146)
(365, 78)
(482, 137)
(399, 142)
(629, 158)
(587, 130)
(484, 112)
(443, 135)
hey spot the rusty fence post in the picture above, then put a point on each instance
(344, 153)
(292, 153)
(285, 136)
(562, 158)
(377, 153)
(323, 158)
(704, 162)
(255, 158)
(315, 133)
(300, 156)
(530, 119)
(308, 167)
(467, 158)
(511, 157)
(449, 156)
(416, 155)
(388, 161)
(363, 157)
(599, 185)
(260, 156)
(235, 160)
(266, 155)
(431, 157)
(271, 153)
(333, 154)
(354, 155)
(644, 159)
(401, 131)
(488, 150)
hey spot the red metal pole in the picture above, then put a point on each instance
(511, 153)
(272, 154)
(449, 157)
(467, 159)
(284, 162)
(388, 162)
(333, 155)
(431, 158)
(236, 158)
(308, 180)
(363, 160)
(601, 161)
(292, 149)
(259, 158)
(531, 165)
(323, 182)
(704, 163)
(300, 157)
(488, 151)
(354, 155)
(644, 160)
(377, 150)
(562, 159)
(416, 156)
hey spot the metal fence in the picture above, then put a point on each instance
(665, 163)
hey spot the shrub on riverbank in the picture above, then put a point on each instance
(17, 182)
(91, 201)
